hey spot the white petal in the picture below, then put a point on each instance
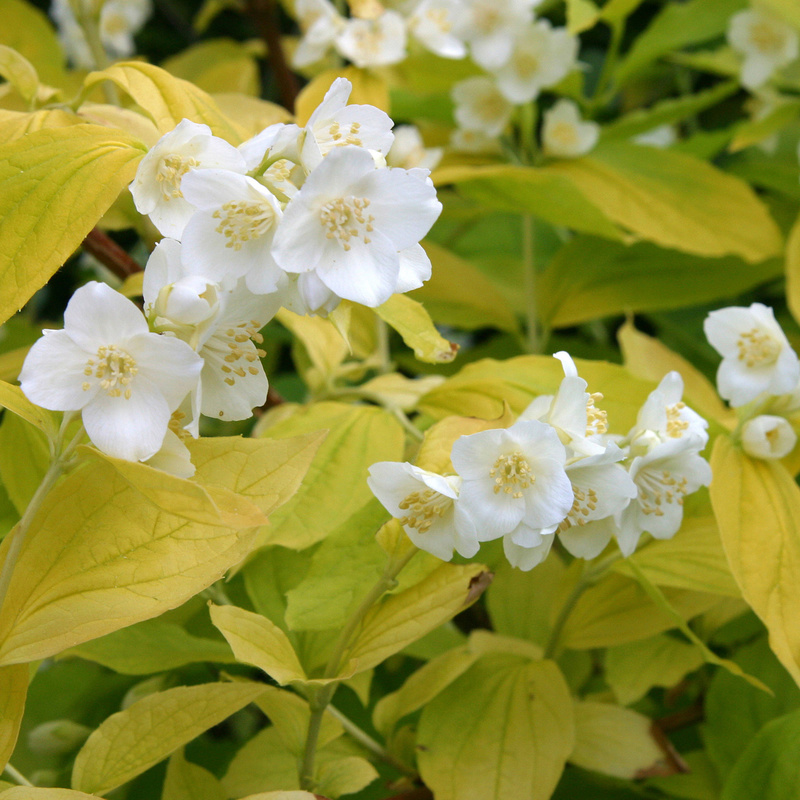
(415, 268)
(97, 315)
(526, 558)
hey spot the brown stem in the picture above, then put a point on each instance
(110, 254)
(422, 793)
(264, 15)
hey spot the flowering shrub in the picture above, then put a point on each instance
(432, 434)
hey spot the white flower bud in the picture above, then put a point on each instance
(768, 437)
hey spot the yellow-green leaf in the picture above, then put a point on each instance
(19, 72)
(793, 270)
(787, 9)
(267, 471)
(219, 65)
(55, 184)
(102, 557)
(24, 460)
(31, 33)
(13, 691)
(133, 740)
(257, 641)
(290, 795)
(344, 776)
(581, 15)
(615, 741)
(251, 114)
(16, 124)
(14, 399)
(368, 89)
(410, 319)
(675, 200)
(165, 98)
(757, 505)
(335, 487)
(324, 344)
(502, 730)
(188, 781)
(403, 618)
(36, 793)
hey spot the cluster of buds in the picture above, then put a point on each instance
(297, 217)
(556, 471)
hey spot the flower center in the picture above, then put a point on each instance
(439, 18)
(424, 508)
(758, 349)
(582, 505)
(346, 218)
(485, 17)
(490, 106)
(596, 418)
(243, 221)
(369, 40)
(170, 171)
(675, 425)
(659, 488)
(512, 474)
(334, 135)
(526, 64)
(565, 134)
(766, 37)
(114, 368)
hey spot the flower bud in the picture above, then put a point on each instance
(57, 737)
(190, 301)
(768, 437)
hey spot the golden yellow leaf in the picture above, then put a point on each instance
(36, 793)
(13, 691)
(131, 741)
(410, 319)
(368, 89)
(188, 781)
(757, 505)
(793, 270)
(14, 399)
(19, 72)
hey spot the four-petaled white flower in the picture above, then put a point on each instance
(766, 42)
(424, 503)
(373, 42)
(513, 475)
(432, 23)
(409, 151)
(156, 189)
(565, 134)
(320, 22)
(490, 26)
(349, 222)
(756, 356)
(105, 362)
(481, 106)
(767, 436)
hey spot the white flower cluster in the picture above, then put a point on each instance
(119, 21)
(555, 472)
(295, 217)
(760, 374)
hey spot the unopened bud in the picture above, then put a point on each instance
(768, 437)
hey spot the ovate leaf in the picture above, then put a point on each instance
(13, 690)
(757, 505)
(165, 98)
(410, 319)
(344, 776)
(133, 740)
(55, 184)
(101, 556)
(19, 72)
(24, 460)
(187, 781)
(14, 399)
(502, 730)
(675, 200)
(793, 270)
(368, 89)
(31, 33)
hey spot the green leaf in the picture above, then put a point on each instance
(677, 26)
(335, 486)
(218, 65)
(529, 190)
(19, 72)
(768, 765)
(257, 641)
(736, 712)
(410, 319)
(133, 740)
(344, 776)
(14, 399)
(675, 200)
(614, 741)
(13, 691)
(502, 730)
(100, 555)
(786, 9)
(187, 781)
(151, 646)
(633, 669)
(28, 30)
(459, 294)
(581, 15)
(700, 783)
(165, 98)
(591, 278)
(55, 184)
(269, 577)
(405, 617)
(751, 497)
(24, 459)
(35, 793)
(793, 270)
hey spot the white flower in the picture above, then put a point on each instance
(663, 477)
(756, 356)
(306, 294)
(526, 548)
(427, 507)
(767, 436)
(335, 124)
(230, 234)
(469, 141)
(665, 416)
(350, 221)
(541, 57)
(106, 363)
(766, 42)
(432, 23)
(409, 151)
(173, 456)
(156, 189)
(489, 26)
(480, 106)
(320, 23)
(373, 42)
(226, 325)
(565, 134)
(511, 476)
